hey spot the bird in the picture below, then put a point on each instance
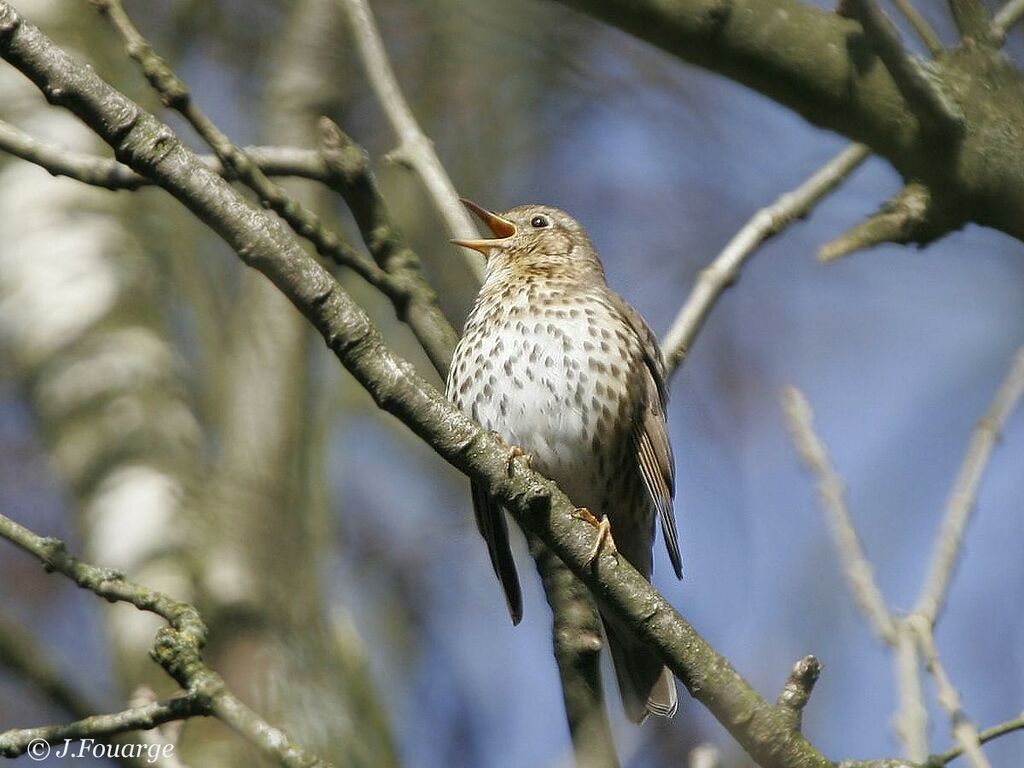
(564, 370)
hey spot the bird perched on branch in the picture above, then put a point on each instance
(561, 367)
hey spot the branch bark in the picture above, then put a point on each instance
(823, 67)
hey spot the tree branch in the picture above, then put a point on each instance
(262, 242)
(949, 541)
(987, 735)
(903, 219)
(414, 148)
(856, 567)
(1007, 16)
(970, 18)
(823, 67)
(921, 26)
(724, 269)
(965, 732)
(797, 690)
(577, 639)
(177, 649)
(937, 114)
(108, 173)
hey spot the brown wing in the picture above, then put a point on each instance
(653, 450)
(490, 520)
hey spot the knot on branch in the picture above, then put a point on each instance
(909, 217)
(797, 690)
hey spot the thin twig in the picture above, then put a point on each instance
(924, 30)
(17, 742)
(949, 540)
(177, 650)
(175, 94)
(768, 221)
(1005, 18)
(108, 173)
(965, 732)
(911, 720)
(397, 277)
(414, 148)
(936, 113)
(985, 736)
(856, 567)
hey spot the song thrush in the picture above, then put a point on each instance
(563, 368)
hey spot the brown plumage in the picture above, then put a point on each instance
(562, 367)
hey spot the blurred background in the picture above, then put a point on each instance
(166, 412)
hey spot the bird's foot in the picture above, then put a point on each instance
(604, 533)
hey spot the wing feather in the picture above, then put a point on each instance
(650, 436)
(490, 521)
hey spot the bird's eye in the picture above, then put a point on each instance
(539, 222)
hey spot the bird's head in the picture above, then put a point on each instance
(534, 240)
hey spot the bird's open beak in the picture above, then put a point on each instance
(503, 229)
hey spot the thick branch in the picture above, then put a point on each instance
(577, 640)
(922, 93)
(823, 67)
(152, 149)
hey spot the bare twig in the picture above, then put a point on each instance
(175, 94)
(985, 736)
(899, 221)
(349, 173)
(414, 148)
(949, 541)
(724, 269)
(936, 113)
(16, 742)
(177, 650)
(911, 720)
(1007, 16)
(110, 174)
(396, 273)
(921, 26)
(856, 567)
(965, 732)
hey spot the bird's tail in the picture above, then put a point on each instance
(646, 685)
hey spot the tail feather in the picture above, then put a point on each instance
(646, 685)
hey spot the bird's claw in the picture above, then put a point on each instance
(604, 533)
